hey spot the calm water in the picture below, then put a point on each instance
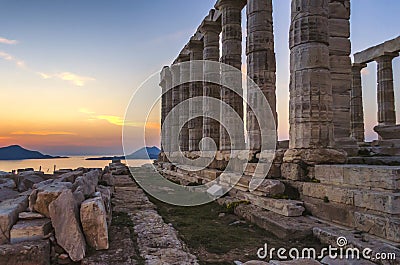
(72, 162)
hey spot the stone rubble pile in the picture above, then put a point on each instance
(55, 218)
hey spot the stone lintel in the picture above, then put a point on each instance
(370, 54)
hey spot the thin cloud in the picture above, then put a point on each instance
(75, 79)
(8, 41)
(42, 133)
(10, 58)
(119, 121)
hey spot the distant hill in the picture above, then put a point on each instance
(16, 152)
(143, 153)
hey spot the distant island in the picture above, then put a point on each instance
(16, 152)
(143, 153)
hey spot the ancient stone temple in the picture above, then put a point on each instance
(326, 173)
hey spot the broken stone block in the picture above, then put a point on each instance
(69, 176)
(28, 230)
(30, 216)
(108, 179)
(40, 199)
(64, 216)
(6, 194)
(105, 193)
(87, 183)
(26, 253)
(290, 208)
(94, 223)
(27, 182)
(270, 187)
(9, 211)
(215, 191)
(7, 183)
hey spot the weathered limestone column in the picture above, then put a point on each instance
(340, 67)
(184, 95)
(311, 115)
(231, 16)
(211, 127)
(261, 63)
(166, 103)
(175, 96)
(357, 109)
(195, 90)
(386, 106)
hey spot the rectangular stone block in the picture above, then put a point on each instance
(339, 28)
(384, 202)
(388, 228)
(282, 207)
(26, 253)
(367, 176)
(339, 46)
(28, 230)
(9, 211)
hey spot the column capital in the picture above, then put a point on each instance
(358, 66)
(182, 58)
(165, 72)
(195, 45)
(210, 26)
(234, 3)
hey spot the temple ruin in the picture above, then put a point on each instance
(337, 177)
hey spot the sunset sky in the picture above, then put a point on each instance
(69, 68)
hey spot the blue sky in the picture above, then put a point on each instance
(74, 64)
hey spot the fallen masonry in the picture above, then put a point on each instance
(68, 218)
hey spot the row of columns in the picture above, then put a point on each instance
(320, 81)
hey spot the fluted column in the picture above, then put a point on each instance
(310, 116)
(211, 127)
(166, 103)
(195, 90)
(231, 16)
(183, 96)
(175, 98)
(340, 67)
(357, 109)
(261, 63)
(386, 105)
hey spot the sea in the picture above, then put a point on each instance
(73, 162)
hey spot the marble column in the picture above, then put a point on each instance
(231, 16)
(386, 106)
(195, 90)
(340, 68)
(166, 103)
(310, 115)
(175, 98)
(357, 109)
(261, 63)
(211, 127)
(183, 96)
